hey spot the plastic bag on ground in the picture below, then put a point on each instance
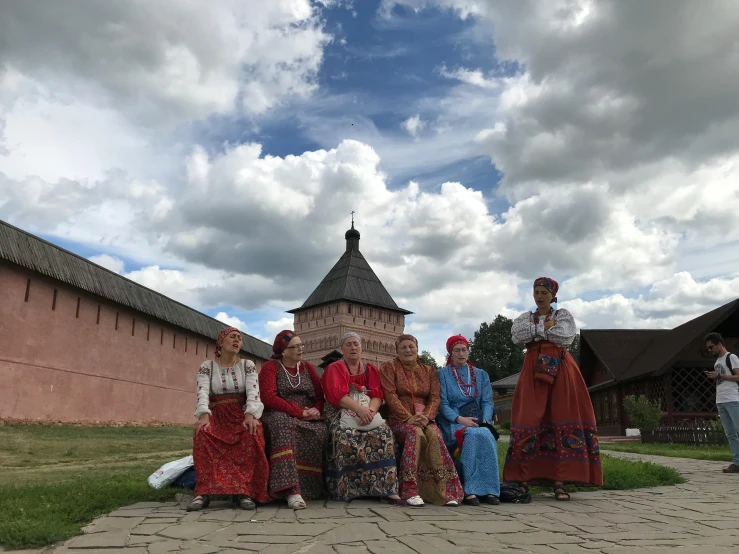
(169, 472)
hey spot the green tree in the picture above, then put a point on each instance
(425, 357)
(493, 350)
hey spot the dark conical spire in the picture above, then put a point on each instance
(352, 238)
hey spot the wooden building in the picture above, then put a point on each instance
(666, 365)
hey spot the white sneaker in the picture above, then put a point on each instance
(415, 501)
(296, 502)
(452, 504)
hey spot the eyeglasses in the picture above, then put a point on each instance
(301, 346)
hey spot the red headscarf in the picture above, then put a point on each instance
(281, 342)
(451, 343)
(221, 337)
(550, 284)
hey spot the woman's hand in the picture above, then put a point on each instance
(419, 420)
(467, 421)
(203, 422)
(365, 415)
(311, 413)
(549, 324)
(251, 424)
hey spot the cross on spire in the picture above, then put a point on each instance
(353, 219)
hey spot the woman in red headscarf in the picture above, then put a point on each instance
(228, 448)
(412, 396)
(554, 437)
(465, 417)
(296, 431)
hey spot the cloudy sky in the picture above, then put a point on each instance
(213, 151)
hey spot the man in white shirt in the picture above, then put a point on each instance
(726, 374)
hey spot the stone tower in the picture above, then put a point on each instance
(350, 298)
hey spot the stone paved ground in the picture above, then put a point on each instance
(702, 512)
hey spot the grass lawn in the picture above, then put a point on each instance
(708, 452)
(617, 474)
(54, 480)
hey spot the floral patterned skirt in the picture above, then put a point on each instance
(361, 463)
(553, 431)
(426, 468)
(228, 459)
(296, 455)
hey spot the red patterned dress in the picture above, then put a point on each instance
(296, 445)
(426, 468)
(554, 436)
(228, 458)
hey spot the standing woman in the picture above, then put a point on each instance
(412, 395)
(466, 406)
(228, 447)
(554, 436)
(292, 394)
(361, 462)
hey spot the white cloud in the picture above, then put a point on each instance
(274, 327)
(667, 304)
(413, 125)
(109, 262)
(473, 77)
(231, 321)
(171, 61)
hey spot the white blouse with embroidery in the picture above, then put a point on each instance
(242, 377)
(524, 329)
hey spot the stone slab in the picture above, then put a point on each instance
(189, 531)
(108, 539)
(353, 532)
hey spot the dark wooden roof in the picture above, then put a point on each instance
(351, 279)
(617, 348)
(664, 350)
(629, 354)
(506, 382)
(31, 252)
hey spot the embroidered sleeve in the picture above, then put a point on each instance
(389, 387)
(523, 330)
(564, 331)
(445, 408)
(253, 404)
(432, 407)
(203, 389)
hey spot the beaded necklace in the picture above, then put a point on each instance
(546, 318)
(289, 376)
(466, 388)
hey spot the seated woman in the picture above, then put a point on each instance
(412, 395)
(361, 463)
(228, 448)
(553, 431)
(296, 432)
(466, 405)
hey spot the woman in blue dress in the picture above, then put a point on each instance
(466, 406)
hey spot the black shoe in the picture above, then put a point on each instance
(492, 499)
(471, 501)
